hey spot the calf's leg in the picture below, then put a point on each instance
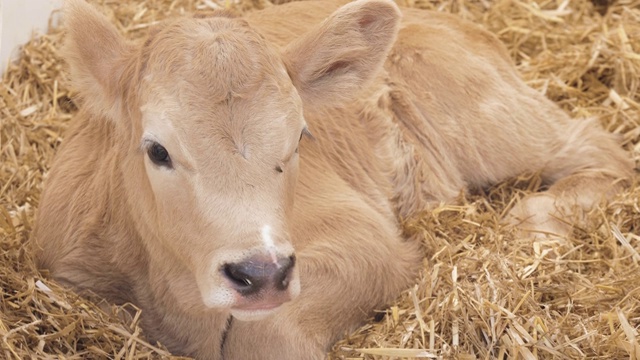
(589, 168)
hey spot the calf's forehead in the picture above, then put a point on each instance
(216, 86)
(216, 68)
(218, 57)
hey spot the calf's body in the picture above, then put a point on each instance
(406, 108)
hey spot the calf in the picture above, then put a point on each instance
(189, 182)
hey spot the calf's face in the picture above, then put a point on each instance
(220, 126)
(213, 117)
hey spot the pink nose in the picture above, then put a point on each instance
(259, 273)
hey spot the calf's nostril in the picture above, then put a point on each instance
(237, 276)
(283, 275)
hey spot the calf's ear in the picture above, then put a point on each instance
(96, 54)
(330, 63)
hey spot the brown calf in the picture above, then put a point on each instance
(189, 183)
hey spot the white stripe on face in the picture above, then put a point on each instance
(269, 245)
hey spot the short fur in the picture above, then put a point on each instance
(406, 108)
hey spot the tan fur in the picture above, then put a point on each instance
(404, 114)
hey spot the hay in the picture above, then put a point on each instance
(484, 293)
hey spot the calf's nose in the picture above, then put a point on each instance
(259, 273)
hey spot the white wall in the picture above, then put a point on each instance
(19, 19)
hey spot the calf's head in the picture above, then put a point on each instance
(207, 119)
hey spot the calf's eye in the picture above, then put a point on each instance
(159, 155)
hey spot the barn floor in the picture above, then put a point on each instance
(484, 293)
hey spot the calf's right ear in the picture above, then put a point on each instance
(96, 54)
(333, 61)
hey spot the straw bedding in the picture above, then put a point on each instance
(484, 292)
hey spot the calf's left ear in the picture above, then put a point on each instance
(96, 54)
(330, 63)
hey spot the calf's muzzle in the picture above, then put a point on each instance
(260, 274)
